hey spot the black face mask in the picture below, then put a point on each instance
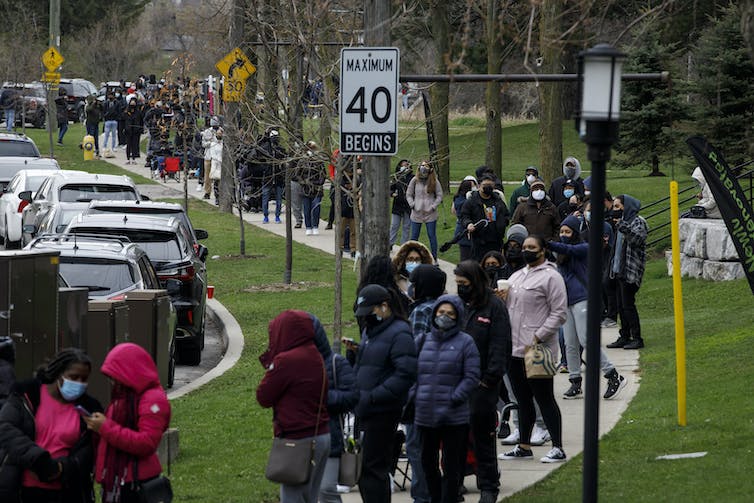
(371, 320)
(617, 214)
(464, 291)
(487, 190)
(570, 172)
(492, 270)
(530, 256)
(513, 255)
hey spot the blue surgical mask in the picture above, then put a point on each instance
(72, 390)
(410, 266)
(568, 193)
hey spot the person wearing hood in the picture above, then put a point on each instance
(134, 126)
(293, 385)
(571, 171)
(208, 138)
(522, 191)
(514, 239)
(537, 303)
(485, 217)
(341, 399)
(61, 109)
(410, 255)
(627, 267)
(447, 374)
(385, 370)
(47, 450)
(573, 202)
(424, 196)
(538, 214)
(486, 320)
(93, 111)
(706, 199)
(573, 266)
(400, 218)
(132, 426)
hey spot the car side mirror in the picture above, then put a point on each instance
(61, 228)
(25, 196)
(203, 252)
(173, 286)
(145, 198)
(201, 234)
(30, 229)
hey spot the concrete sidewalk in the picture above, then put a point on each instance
(515, 475)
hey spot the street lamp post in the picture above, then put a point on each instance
(597, 124)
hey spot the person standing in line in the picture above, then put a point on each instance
(424, 196)
(447, 375)
(312, 177)
(485, 217)
(93, 110)
(627, 267)
(572, 172)
(409, 256)
(134, 124)
(467, 187)
(401, 212)
(537, 303)
(292, 385)
(538, 214)
(216, 164)
(385, 370)
(9, 99)
(208, 138)
(573, 266)
(270, 155)
(61, 112)
(486, 320)
(47, 451)
(111, 112)
(522, 192)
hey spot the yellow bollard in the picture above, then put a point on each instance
(680, 335)
(88, 146)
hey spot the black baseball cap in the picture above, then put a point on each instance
(370, 296)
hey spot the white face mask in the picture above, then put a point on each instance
(530, 179)
(538, 195)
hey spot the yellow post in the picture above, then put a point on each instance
(680, 335)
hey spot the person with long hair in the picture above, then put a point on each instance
(132, 426)
(424, 196)
(46, 448)
(486, 320)
(537, 303)
(409, 256)
(381, 271)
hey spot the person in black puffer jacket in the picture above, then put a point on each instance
(43, 437)
(487, 209)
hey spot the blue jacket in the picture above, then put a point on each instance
(385, 368)
(575, 271)
(448, 371)
(341, 398)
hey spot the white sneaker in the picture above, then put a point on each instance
(315, 231)
(309, 232)
(199, 188)
(539, 436)
(343, 489)
(511, 439)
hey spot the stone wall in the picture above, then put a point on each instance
(706, 251)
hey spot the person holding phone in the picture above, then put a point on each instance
(46, 449)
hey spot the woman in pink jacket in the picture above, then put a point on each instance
(424, 196)
(537, 304)
(132, 426)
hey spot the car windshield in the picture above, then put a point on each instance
(33, 182)
(99, 276)
(13, 148)
(83, 192)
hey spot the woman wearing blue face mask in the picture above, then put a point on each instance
(43, 435)
(409, 256)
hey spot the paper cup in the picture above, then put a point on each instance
(503, 285)
(210, 291)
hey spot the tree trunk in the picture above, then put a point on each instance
(493, 153)
(551, 94)
(439, 92)
(747, 25)
(656, 166)
(376, 175)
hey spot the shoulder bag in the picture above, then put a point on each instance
(539, 361)
(291, 460)
(351, 456)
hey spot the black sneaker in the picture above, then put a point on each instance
(574, 391)
(556, 455)
(637, 343)
(504, 430)
(298, 225)
(206, 196)
(619, 343)
(517, 452)
(615, 383)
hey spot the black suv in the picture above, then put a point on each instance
(168, 243)
(76, 92)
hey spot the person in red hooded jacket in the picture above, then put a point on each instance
(293, 386)
(132, 426)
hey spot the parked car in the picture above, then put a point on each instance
(72, 187)
(33, 104)
(57, 219)
(19, 152)
(180, 270)
(108, 267)
(12, 207)
(76, 92)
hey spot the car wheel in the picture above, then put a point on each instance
(190, 354)
(9, 245)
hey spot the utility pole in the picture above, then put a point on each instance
(375, 231)
(493, 154)
(52, 122)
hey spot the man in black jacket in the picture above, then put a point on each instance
(385, 370)
(487, 207)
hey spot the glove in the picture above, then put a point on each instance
(446, 246)
(46, 468)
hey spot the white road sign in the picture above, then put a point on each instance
(368, 100)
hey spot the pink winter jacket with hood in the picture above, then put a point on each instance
(537, 303)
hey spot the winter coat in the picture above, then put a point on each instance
(708, 200)
(295, 378)
(458, 203)
(575, 270)
(385, 368)
(542, 219)
(494, 211)
(342, 394)
(132, 366)
(520, 192)
(112, 109)
(134, 120)
(490, 328)
(311, 174)
(537, 303)
(399, 262)
(399, 187)
(61, 110)
(447, 372)
(93, 113)
(216, 157)
(630, 244)
(18, 451)
(423, 205)
(556, 189)
(208, 137)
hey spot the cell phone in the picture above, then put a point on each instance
(81, 410)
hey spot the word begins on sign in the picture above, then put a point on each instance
(365, 142)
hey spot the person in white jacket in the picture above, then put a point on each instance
(208, 136)
(706, 200)
(216, 164)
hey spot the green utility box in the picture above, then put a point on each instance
(73, 307)
(29, 306)
(107, 325)
(151, 325)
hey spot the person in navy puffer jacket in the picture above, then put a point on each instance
(448, 372)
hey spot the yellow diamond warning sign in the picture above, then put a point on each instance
(52, 58)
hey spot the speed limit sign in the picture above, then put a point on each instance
(368, 100)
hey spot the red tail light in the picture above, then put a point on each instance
(23, 204)
(121, 296)
(182, 273)
(190, 315)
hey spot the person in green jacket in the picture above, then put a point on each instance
(522, 191)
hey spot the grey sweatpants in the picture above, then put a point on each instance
(574, 331)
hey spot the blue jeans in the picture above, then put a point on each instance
(93, 129)
(10, 118)
(419, 488)
(111, 131)
(311, 208)
(62, 128)
(266, 188)
(416, 228)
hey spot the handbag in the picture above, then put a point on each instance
(291, 460)
(539, 361)
(349, 470)
(156, 490)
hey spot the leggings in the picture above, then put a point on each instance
(526, 391)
